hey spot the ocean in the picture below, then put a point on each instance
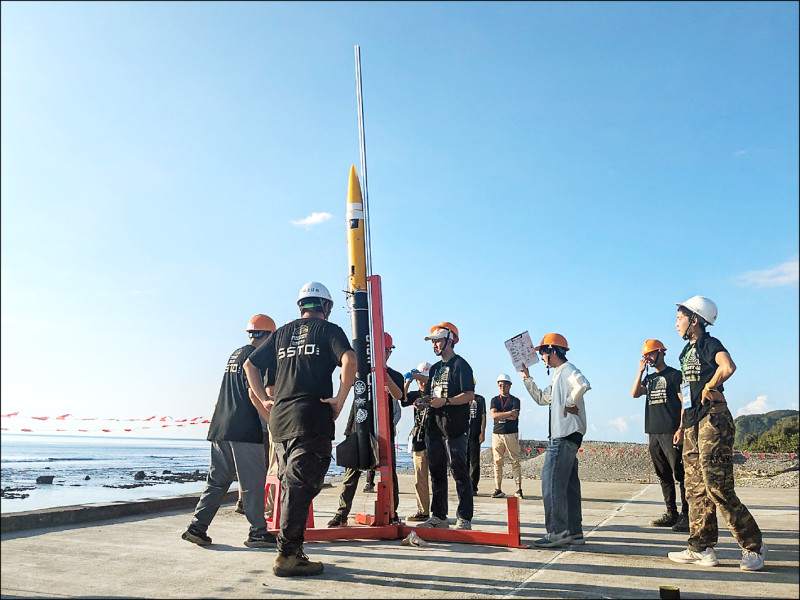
(106, 461)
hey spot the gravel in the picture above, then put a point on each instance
(603, 461)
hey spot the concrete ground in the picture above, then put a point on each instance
(145, 557)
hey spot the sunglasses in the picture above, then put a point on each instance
(258, 334)
(544, 351)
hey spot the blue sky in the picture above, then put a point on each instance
(569, 167)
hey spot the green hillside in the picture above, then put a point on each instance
(747, 425)
(775, 431)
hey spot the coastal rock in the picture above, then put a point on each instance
(14, 493)
(45, 479)
(170, 477)
(87, 478)
(166, 472)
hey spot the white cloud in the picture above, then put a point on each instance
(592, 426)
(315, 218)
(622, 424)
(787, 273)
(739, 153)
(756, 407)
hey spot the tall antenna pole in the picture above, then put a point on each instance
(367, 238)
(363, 150)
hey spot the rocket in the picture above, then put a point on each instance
(359, 450)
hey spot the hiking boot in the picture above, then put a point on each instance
(369, 488)
(418, 517)
(519, 495)
(338, 520)
(553, 540)
(196, 536)
(239, 507)
(668, 519)
(576, 539)
(463, 524)
(263, 539)
(296, 565)
(498, 494)
(436, 523)
(753, 561)
(682, 524)
(706, 558)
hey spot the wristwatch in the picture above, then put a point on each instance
(447, 401)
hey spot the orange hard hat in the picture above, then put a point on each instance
(651, 345)
(387, 341)
(261, 323)
(553, 339)
(445, 325)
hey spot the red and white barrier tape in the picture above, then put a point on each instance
(75, 424)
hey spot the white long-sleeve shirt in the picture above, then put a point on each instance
(567, 389)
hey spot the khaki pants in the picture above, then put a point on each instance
(502, 443)
(422, 481)
(272, 469)
(707, 461)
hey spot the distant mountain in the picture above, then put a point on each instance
(775, 431)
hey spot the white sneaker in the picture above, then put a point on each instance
(463, 524)
(553, 540)
(435, 522)
(753, 561)
(577, 539)
(706, 558)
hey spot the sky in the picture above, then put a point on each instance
(171, 169)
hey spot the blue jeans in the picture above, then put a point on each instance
(441, 453)
(561, 488)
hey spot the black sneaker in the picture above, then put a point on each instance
(682, 524)
(196, 536)
(418, 516)
(498, 494)
(239, 507)
(260, 540)
(338, 520)
(369, 488)
(519, 494)
(668, 519)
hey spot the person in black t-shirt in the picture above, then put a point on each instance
(662, 424)
(237, 446)
(477, 433)
(505, 435)
(451, 390)
(394, 385)
(708, 433)
(300, 359)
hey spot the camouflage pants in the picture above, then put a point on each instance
(707, 461)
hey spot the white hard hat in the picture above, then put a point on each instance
(503, 377)
(701, 306)
(424, 367)
(313, 289)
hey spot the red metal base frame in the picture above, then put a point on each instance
(510, 539)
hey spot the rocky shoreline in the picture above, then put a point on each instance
(598, 461)
(626, 462)
(140, 479)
